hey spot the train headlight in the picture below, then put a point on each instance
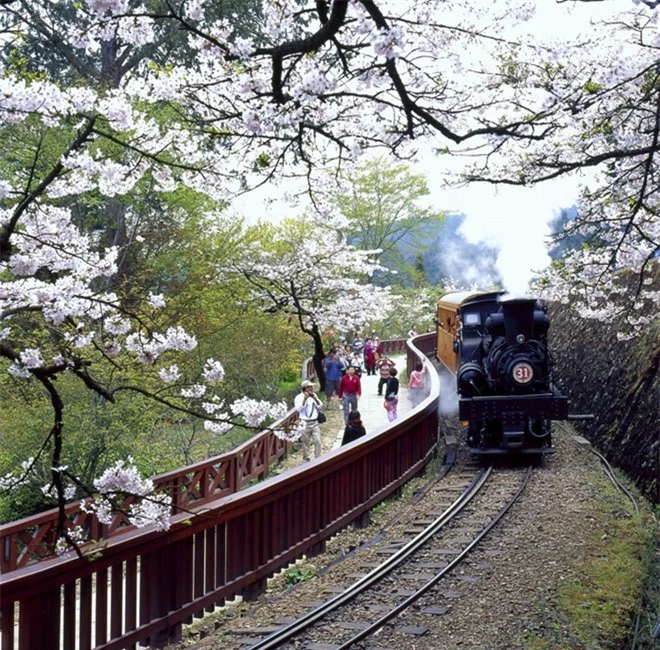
(522, 373)
(471, 380)
(520, 339)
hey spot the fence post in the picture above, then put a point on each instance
(39, 622)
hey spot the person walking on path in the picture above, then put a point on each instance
(307, 404)
(354, 429)
(392, 395)
(349, 391)
(417, 384)
(357, 361)
(384, 364)
(392, 383)
(370, 357)
(333, 375)
(358, 344)
(380, 349)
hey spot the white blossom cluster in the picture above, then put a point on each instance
(388, 42)
(319, 277)
(153, 511)
(213, 371)
(75, 536)
(293, 433)
(253, 410)
(13, 478)
(124, 479)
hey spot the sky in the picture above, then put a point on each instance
(512, 219)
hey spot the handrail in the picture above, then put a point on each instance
(144, 584)
(31, 539)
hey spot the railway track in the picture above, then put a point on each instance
(411, 573)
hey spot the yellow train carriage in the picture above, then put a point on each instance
(448, 324)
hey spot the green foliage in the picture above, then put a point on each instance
(42, 52)
(296, 575)
(254, 347)
(609, 582)
(29, 150)
(650, 85)
(261, 355)
(592, 87)
(383, 213)
(410, 307)
(512, 70)
(22, 501)
(596, 607)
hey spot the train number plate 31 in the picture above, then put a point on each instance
(523, 373)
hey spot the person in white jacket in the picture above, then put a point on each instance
(307, 404)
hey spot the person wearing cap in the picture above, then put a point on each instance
(307, 404)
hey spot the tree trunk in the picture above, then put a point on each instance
(318, 357)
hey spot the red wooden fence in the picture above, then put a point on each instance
(146, 584)
(31, 539)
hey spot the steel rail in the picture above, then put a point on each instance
(374, 627)
(308, 619)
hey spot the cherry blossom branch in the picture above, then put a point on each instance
(7, 230)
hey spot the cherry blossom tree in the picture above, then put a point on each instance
(52, 288)
(606, 128)
(322, 82)
(317, 85)
(304, 269)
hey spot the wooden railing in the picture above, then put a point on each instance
(31, 539)
(144, 584)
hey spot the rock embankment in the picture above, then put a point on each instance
(617, 381)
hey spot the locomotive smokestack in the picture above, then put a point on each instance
(518, 318)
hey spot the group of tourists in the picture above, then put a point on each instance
(362, 354)
(344, 365)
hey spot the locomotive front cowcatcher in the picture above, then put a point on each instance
(497, 348)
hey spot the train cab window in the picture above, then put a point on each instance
(471, 319)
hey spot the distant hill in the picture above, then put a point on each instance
(451, 257)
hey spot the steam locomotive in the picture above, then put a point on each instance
(498, 350)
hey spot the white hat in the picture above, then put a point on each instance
(307, 384)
